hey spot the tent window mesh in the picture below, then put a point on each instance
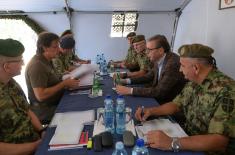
(123, 23)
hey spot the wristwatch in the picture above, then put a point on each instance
(42, 130)
(175, 144)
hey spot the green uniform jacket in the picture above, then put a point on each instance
(144, 62)
(62, 63)
(15, 124)
(131, 60)
(209, 108)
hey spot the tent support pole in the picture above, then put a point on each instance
(69, 13)
(178, 12)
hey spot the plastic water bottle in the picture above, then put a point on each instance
(120, 115)
(95, 86)
(105, 69)
(102, 57)
(101, 68)
(119, 149)
(109, 114)
(139, 148)
(118, 78)
(100, 63)
(97, 58)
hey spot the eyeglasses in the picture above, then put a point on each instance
(16, 61)
(150, 49)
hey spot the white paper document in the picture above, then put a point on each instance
(165, 125)
(67, 133)
(111, 74)
(81, 70)
(73, 116)
(86, 80)
(69, 126)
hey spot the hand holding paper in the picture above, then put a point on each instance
(71, 83)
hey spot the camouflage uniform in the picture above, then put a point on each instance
(209, 107)
(143, 61)
(62, 62)
(15, 125)
(131, 60)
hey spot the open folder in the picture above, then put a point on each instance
(165, 125)
(69, 127)
(82, 142)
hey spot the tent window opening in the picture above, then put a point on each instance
(123, 23)
(19, 30)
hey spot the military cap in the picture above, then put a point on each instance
(195, 51)
(67, 42)
(138, 38)
(131, 34)
(11, 48)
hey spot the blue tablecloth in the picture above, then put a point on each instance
(83, 102)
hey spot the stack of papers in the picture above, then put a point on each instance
(111, 74)
(81, 71)
(82, 142)
(69, 128)
(165, 125)
(86, 80)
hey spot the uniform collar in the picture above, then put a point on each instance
(210, 77)
(3, 86)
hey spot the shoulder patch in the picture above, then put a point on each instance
(227, 105)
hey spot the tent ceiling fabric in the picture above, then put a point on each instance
(90, 5)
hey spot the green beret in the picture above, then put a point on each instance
(138, 38)
(131, 34)
(11, 48)
(195, 51)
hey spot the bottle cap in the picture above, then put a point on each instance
(140, 142)
(119, 145)
(108, 96)
(120, 96)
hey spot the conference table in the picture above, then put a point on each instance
(79, 102)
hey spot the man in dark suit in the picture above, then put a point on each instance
(166, 80)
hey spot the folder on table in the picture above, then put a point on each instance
(69, 127)
(81, 143)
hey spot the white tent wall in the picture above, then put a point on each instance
(202, 22)
(92, 31)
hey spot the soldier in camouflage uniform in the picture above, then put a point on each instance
(130, 61)
(63, 62)
(20, 129)
(208, 103)
(143, 61)
(74, 57)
